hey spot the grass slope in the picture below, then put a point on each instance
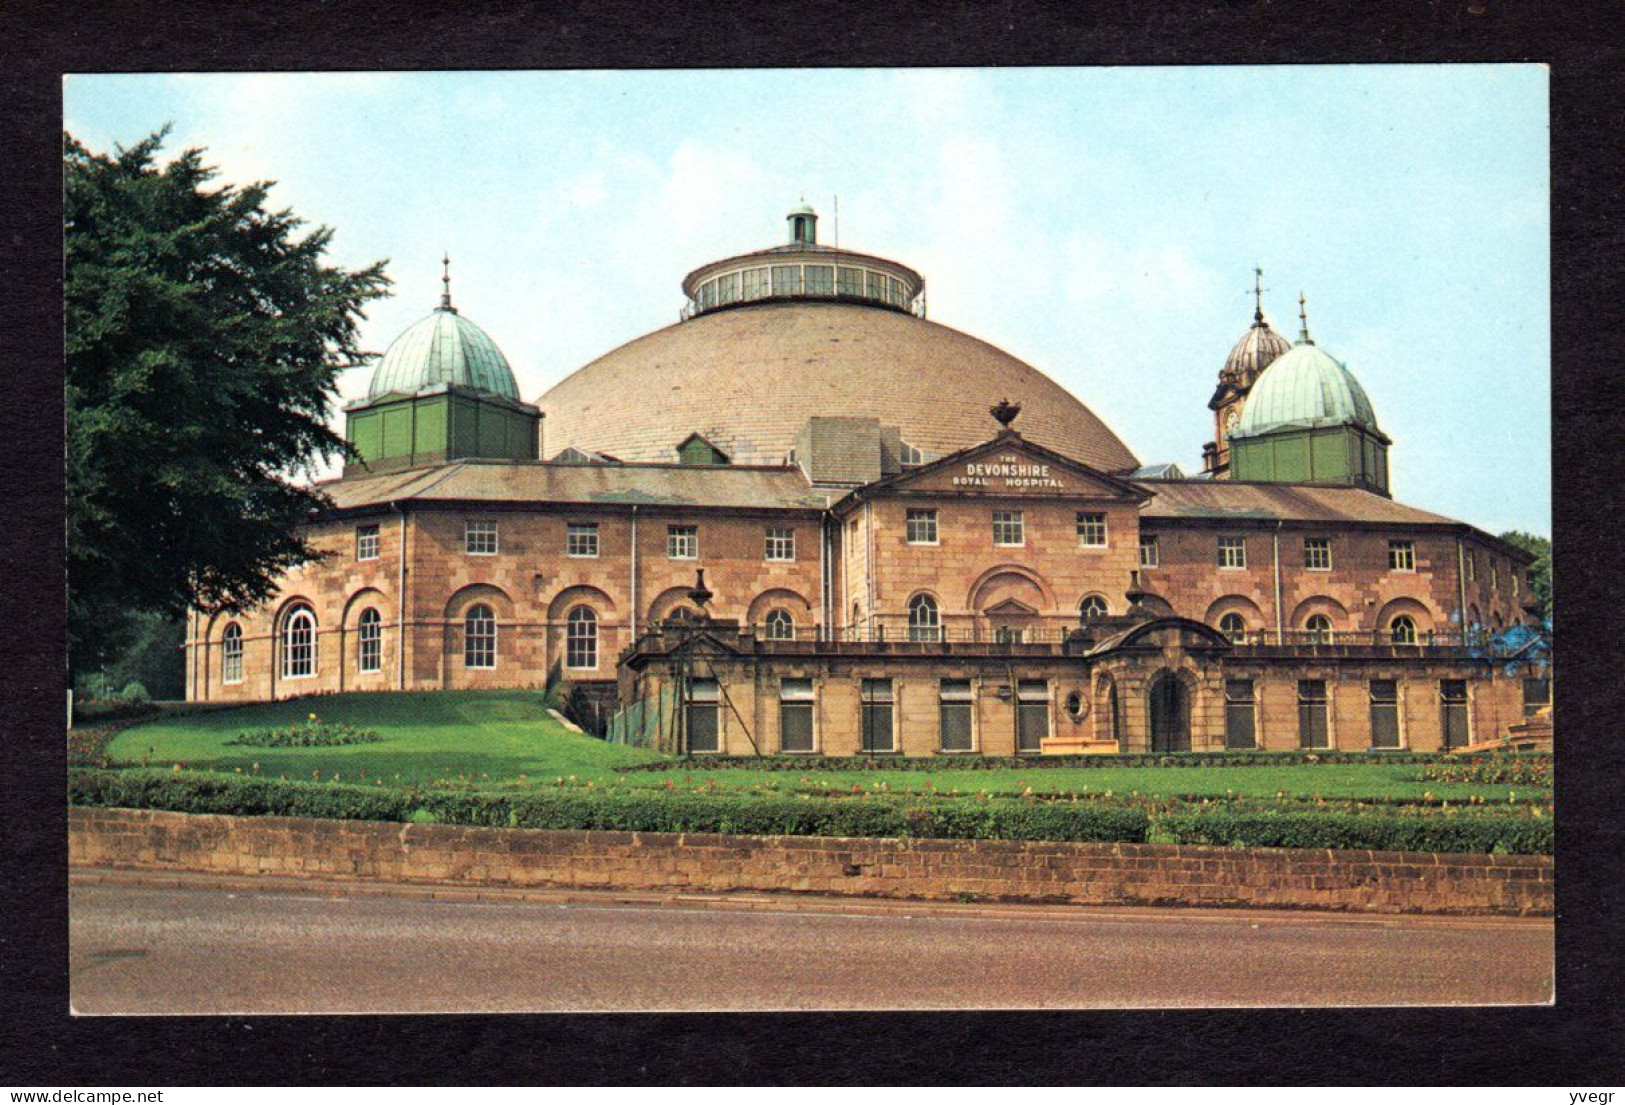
(453, 736)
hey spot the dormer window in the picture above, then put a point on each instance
(909, 456)
(695, 449)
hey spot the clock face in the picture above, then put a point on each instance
(1232, 420)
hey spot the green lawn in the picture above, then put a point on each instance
(453, 736)
(497, 737)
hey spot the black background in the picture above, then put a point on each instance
(1576, 1042)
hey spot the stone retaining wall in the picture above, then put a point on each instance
(979, 870)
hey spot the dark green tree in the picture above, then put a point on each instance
(1540, 572)
(204, 340)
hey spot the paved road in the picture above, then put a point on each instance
(204, 946)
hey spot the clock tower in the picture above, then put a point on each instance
(1248, 358)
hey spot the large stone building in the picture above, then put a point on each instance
(892, 561)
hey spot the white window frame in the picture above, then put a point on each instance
(1232, 551)
(367, 541)
(573, 639)
(916, 519)
(1328, 636)
(470, 649)
(780, 544)
(475, 531)
(1003, 520)
(1401, 555)
(231, 654)
(289, 671)
(1149, 541)
(581, 540)
(921, 630)
(1237, 637)
(679, 536)
(775, 616)
(1086, 523)
(369, 633)
(1312, 548)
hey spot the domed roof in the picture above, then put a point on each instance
(1254, 351)
(1305, 387)
(747, 378)
(444, 348)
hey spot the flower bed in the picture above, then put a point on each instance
(310, 733)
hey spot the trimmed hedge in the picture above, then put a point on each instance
(1291, 829)
(1121, 759)
(782, 815)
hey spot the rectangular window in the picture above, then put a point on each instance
(849, 281)
(704, 716)
(1314, 720)
(1150, 552)
(757, 283)
(1453, 722)
(582, 539)
(1240, 714)
(1384, 713)
(781, 543)
(1401, 556)
(1537, 695)
(1092, 530)
(366, 542)
(728, 289)
(1008, 528)
(786, 279)
(820, 279)
(1032, 715)
(1232, 552)
(480, 538)
(1472, 565)
(955, 730)
(922, 527)
(874, 285)
(683, 542)
(877, 705)
(795, 715)
(1317, 554)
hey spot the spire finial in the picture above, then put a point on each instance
(1004, 412)
(1303, 321)
(445, 280)
(1258, 295)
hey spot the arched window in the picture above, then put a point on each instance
(370, 641)
(1234, 626)
(1319, 628)
(924, 624)
(1092, 607)
(581, 638)
(780, 626)
(299, 644)
(479, 637)
(1402, 630)
(231, 653)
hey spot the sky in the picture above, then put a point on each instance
(1101, 224)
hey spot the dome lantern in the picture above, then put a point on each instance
(803, 225)
(442, 390)
(1308, 420)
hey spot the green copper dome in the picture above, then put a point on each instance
(1303, 388)
(444, 348)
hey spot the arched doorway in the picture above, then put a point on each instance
(1170, 714)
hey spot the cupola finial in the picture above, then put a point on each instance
(1303, 322)
(1258, 295)
(445, 280)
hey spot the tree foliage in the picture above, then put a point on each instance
(1540, 572)
(204, 340)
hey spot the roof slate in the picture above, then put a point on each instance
(645, 484)
(1280, 502)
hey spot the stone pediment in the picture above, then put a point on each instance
(1007, 466)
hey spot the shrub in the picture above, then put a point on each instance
(1497, 769)
(135, 693)
(1478, 833)
(206, 792)
(990, 763)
